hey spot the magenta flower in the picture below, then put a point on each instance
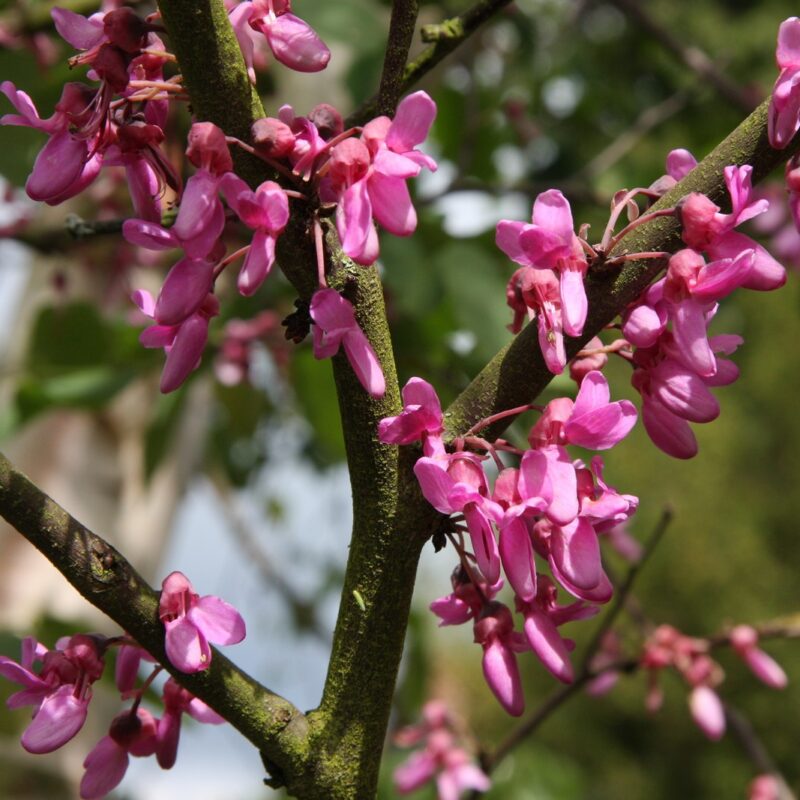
(60, 691)
(368, 176)
(549, 242)
(334, 326)
(266, 211)
(420, 419)
(178, 701)
(192, 622)
(132, 733)
(784, 106)
(68, 163)
(494, 631)
(183, 343)
(293, 42)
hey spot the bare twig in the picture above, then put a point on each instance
(446, 37)
(624, 590)
(401, 33)
(754, 748)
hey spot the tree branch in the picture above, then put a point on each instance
(446, 37)
(109, 582)
(401, 33)
(518, 374)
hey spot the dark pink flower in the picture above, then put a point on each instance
(132, 733)
(60, 691)
(266, 211)
(193, 623)
(178, 701)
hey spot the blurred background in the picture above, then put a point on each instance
(238, 478)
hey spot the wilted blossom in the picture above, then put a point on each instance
(335, 326)
(442, 758)
(59, 692)
(193, 623)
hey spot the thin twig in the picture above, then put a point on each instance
(446, 37)
(624, 590)
(401, 34)
(744, 733)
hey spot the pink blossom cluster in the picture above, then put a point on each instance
(60, 687)
(676, 363)
(187, 303)
(669, 648)
(548, 286)
(442, 757)
(117, 121)
(551, 506)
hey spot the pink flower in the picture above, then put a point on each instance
(707, 711)
(192, 622)
(744, 639)
(60, 691)
(132, 733)
(334, 326)
(441, 758)
(764, 787)
(184, 342)
(368, 176)
(494, 631)
(784, 106)
(178, 701)
(293, 42)
(266, 211)
(420, 419)
(549, 242)
(535, 293)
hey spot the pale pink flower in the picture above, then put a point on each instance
(764, 787)
(744, 639)
(193, 623)
(707, 711)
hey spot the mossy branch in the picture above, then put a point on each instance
(103, 576)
